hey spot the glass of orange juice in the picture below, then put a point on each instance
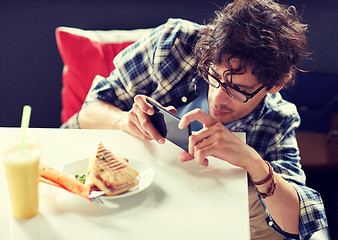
(21, 164)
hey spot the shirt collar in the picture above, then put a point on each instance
(241, 125)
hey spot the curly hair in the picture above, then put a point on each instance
(262, 34)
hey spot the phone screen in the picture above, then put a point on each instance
(166, 124)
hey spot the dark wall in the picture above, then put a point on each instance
(30, 65)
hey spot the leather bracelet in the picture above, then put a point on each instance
(271, 189)
(267, 178)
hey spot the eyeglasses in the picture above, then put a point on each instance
(231, 89)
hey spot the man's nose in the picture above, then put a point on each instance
(220, 96)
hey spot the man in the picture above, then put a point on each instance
(240, 62)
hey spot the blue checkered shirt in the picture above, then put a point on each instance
(162, 65)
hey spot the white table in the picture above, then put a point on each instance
(185, 200)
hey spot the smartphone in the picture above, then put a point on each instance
(166, 124)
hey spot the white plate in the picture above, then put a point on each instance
(146, 175)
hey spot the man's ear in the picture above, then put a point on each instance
(277, 88)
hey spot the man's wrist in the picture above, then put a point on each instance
(268, 189)
(257, 169)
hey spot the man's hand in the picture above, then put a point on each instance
(215, 140)
(138, 121)
(104, 115)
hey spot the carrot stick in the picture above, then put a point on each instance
(50, 182)
(71, 184)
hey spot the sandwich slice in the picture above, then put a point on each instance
(111, 174)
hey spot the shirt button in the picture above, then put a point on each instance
(270, 223)
(184, 99)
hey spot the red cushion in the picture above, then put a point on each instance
(86, 54)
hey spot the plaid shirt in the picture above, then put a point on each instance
(162, 65)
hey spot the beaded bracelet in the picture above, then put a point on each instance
(271, 189)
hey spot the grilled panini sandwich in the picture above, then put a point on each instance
(111, 174)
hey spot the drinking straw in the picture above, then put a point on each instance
(26, 114)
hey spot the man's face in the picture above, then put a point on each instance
(225, 108)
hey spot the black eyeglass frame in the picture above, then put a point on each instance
(226, 85)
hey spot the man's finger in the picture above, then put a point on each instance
(199, 115)
(184, 156)
(141, 102)
(172, 110)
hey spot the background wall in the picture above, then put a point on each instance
(30, 65)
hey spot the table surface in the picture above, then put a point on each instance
(185, 200)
